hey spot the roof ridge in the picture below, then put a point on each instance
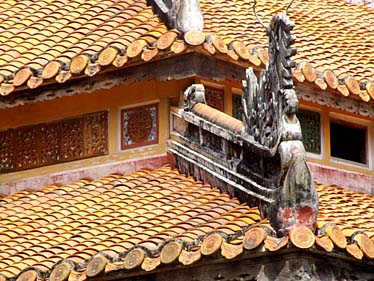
(141, 50)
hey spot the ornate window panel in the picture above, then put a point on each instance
(310, 122)
(139, 126)
(215, 98)
(96, 135)
(237, 106)
(54, 142)
(7, 159)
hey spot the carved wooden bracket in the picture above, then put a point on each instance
(182, 15)
(261, 160)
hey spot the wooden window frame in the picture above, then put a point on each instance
(369, 141)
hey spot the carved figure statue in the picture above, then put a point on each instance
(192, 95)
(183, 15)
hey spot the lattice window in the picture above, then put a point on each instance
(215, 98)
(310, 122)
(139, 126)
(237, 107)
(54, 142)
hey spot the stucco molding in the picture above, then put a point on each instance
(335, 101)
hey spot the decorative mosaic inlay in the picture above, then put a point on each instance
(237, 107)
(215, 98)
(310, 122)
(139, 126)
(54, 142)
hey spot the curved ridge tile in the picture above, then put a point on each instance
(325, 51)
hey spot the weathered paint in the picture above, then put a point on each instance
(297, 216)
(347, 179)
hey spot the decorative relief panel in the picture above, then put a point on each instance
(96, 140)
(237, 107)
(49, 144)
(7, 160)
(72, 139)
(215, 98)
(139, 126)
(26, 147)
(310, 122)
(54, 142)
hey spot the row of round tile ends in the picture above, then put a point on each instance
(211, 43)
(330, 235)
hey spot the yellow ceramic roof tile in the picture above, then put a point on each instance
(322, 31)
(164, 205)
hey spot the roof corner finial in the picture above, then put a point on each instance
(270, 104)
(258, 19)
(183, 15)
(289, 6)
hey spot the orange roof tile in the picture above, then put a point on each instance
(149, 218)
(43, 38)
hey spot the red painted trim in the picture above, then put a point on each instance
(346, 179)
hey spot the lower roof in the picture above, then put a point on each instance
(154, 217)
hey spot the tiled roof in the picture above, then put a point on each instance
(150, 218)
(43, 41)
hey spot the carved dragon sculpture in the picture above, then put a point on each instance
(266, 102)
(270, 108)
(183, 15)
(262, 157)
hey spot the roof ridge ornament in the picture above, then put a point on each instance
(270, 106)
(261, 160)
(182, 15)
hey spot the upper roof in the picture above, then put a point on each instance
(53, 40)
(153, 217)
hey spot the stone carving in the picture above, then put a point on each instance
(192, 95)
(183, 15)
(263, 156)
(266, 103)
(269, 111)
